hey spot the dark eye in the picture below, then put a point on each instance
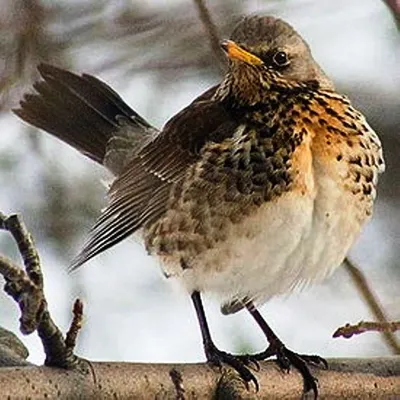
(280, 59)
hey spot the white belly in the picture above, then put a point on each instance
(288, 243)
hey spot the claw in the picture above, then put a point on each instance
(300, 361)
(314, 359)
(217, 357)
(249, 360)
(287, 358)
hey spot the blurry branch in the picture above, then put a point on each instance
(212, 32)
(77, 378)
(131, 36)
(370, 299)
(24, 42)
(13, 352)
(348, 330)
(394, 6)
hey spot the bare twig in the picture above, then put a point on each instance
(348, 330)
(26, 288)
(212, 32)
(76, 325)
(373, 303)
(394, 6)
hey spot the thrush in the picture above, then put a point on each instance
(258, 187)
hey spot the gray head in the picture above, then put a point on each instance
(276, 46)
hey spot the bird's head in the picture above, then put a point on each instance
(265, 53)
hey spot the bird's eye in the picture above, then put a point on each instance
(280, 59)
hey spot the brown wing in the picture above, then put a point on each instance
(140, 194)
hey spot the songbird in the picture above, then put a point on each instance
(257, 187)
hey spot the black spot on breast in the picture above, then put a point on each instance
(369, 177)
(322, 122)
(367, 189)
(356, 160)
(349, 114)
(184, 264)
(339, 157)
(295, 114)
(323, 103)
(282, 114)
(348, 125)
(330, 111)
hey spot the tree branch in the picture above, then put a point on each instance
(348, 330)
(347, 378)
(372, 302)
(26, 288)
(212, 33)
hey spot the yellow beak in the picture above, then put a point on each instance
(235, 52)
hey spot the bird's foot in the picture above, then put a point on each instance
(287, 358)
(217, 357)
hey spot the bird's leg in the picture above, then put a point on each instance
(213, 354)
(285, 357)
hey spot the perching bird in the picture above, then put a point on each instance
(259, 186)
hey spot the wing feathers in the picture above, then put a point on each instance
(140, 195)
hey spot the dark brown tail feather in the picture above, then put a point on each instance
(82, 111)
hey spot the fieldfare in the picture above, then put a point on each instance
(258, 187)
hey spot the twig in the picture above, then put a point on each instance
(372, 302)
(26, 288)
(348, 330)
(212, 33)
(76, 325)
(394, 6)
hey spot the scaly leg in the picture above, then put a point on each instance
(213, 354)
(285, 357)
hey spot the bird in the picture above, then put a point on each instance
(258, 187)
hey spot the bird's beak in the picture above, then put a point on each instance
(235, 52)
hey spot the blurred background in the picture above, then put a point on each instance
(157, 55)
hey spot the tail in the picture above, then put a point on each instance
(87, 114)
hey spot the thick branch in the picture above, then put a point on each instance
(350, 379)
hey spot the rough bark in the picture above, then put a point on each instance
(346, 379)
